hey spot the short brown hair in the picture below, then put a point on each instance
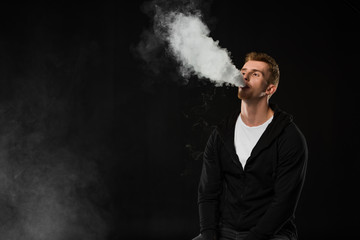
(273, 66)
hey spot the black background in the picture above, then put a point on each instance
(71, 80)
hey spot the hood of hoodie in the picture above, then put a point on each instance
(280, 121)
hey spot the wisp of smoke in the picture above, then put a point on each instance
(189, 42)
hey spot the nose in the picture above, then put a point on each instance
(246, 77)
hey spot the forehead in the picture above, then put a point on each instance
(258, 65)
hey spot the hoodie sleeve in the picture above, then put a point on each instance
(293, 154)
(210, 188)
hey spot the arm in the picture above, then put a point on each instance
(210, 188)
(290, 178)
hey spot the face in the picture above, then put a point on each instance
(256, 75)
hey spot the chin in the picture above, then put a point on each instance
(242, 96)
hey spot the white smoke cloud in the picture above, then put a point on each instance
(189, 42)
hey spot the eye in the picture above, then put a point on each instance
(256, 74)
(243, 73)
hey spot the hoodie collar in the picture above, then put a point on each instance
(226, 131)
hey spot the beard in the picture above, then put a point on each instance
(248, 93)
(244, 94)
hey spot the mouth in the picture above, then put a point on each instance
(245, 87)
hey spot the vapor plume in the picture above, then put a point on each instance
(189, 42)
(50, 185)
(178, 28)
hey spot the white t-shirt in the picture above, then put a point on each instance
(245, 138)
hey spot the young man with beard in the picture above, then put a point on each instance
(254, 164)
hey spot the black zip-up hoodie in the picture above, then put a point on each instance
(262, 197)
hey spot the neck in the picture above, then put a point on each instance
(255, 113)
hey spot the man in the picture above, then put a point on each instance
(254, 164)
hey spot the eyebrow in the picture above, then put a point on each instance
(253, 70)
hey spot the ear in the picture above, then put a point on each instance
(271, 89)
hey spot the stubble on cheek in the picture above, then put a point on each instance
(241, 93)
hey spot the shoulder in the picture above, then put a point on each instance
(292, 138)
(227, 123)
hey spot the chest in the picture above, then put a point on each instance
(262, 161)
